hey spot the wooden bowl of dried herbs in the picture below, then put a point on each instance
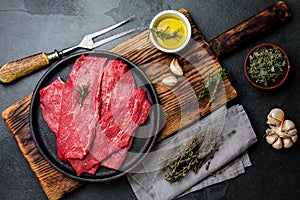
(266, 66)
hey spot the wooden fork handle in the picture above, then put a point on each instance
(16, 69)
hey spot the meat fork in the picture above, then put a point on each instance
(16, 69)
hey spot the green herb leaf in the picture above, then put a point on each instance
(165, 34)
(266, 65)
(192, 156)
(211, 86)
(82, 91)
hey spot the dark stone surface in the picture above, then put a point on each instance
(31, 26)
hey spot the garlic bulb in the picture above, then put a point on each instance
(282, 133)
(175, 67)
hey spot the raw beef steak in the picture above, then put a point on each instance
(80, 108)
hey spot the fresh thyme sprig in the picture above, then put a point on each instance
(192, 156)
(82, 91)
(211, 86)
(165, 35)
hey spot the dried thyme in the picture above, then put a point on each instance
(266, 65)
(192, 156)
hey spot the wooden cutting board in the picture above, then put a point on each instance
(199, 60)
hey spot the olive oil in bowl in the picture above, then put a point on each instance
(170, 31)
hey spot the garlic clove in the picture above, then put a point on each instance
(288, 125)
(278, 144)
(292, 132)
(280, 133)
(175, 67)
(170, 81)
(272, 121)
(271, 139)
(288, 128)
(287, 142)
(277, 113)
(275, 117)
(294, 138)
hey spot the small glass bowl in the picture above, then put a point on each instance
(283, 77)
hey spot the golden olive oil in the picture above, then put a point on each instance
(168, 25)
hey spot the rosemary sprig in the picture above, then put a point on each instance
(82, 91)
(211, 86)
(165, 34)
(192, 156)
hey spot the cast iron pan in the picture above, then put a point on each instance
(45, 139)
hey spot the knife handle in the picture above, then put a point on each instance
(16, 69)
(251, 29)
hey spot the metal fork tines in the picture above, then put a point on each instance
(87, 41)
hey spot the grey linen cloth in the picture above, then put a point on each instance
(147, 179)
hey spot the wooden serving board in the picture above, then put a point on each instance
(199, 60)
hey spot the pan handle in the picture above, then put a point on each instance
(251, 29)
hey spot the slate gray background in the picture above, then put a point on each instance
(31, 26)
